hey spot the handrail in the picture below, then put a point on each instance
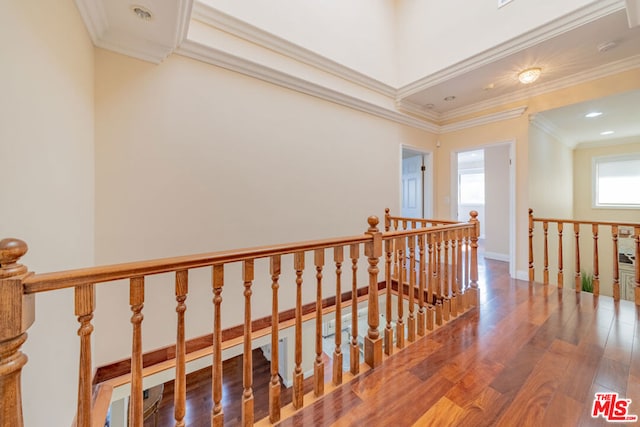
(70, 278)
(436, 263)
(595, 232)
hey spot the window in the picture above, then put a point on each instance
(471, 188)
(616, 181)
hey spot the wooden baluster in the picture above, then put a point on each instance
(387, 220)
(459, 236)
(421, 287)
(298, 391)
(180, 387)
(318, 364)
(17, 314)
(85, 297)
(446, 300)
(596, 267)
(400, 244)
(274, 385)
(531, 269)
(637, 261)
(430, 283)
(467, 278)
(560, 266)
(454, 272)
(136, 300)
(388, 330)
(616, 271)
(578, 278)
(438, 278)
(413, 225)
(217, 415)
(475, 233)
(373, 252)
(338, 258)
(411, 318)
(545, 227)
(354, 355)
(247, 359)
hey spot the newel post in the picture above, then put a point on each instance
(373, 251)
(16, 315)
(474, 256)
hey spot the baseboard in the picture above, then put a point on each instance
(522, 275)
(497, 256)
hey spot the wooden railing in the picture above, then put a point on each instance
(595, 228)
(444, 283)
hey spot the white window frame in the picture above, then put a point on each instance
(594, 181)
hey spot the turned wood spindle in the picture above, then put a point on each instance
(318, 364)
(475, 233)
(247, 359)
(421, 286)
(637, 288)
(616, 271)
(578, 277)
(545, 228)
(388, 330)
(85, 297)
(136, 300)
(338, 258)
(400, 244)
(531, 269)
(180, 384)
(560, 262)
(298, 391)
(274, 384)
(411, 319)
(354, 350)
(217, 415)
(596, 262)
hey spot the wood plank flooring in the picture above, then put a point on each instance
(529, 355)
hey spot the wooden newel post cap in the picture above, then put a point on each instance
(11, 250)
(474, 214)
(373, 224)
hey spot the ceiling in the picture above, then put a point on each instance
(569, 50)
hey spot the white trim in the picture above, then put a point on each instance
(633, 12)
(418, 110)
(185, 8)
(94, 17)
(497, 256)
(142, 49)
(545, 32)
(483, 120)
(231, 62)
(227, 23)
(545, 125)
(540, 89)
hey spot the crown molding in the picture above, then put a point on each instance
(94, 17)
(542, 88)
(185, 8)
(608, 142)
(546, 126)
(140, 49)
(229, 24)
(483, 120)
(231, 62)
(545, 32)
(417, 110)
(633, 12)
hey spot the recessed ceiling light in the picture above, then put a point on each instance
(529, 75)
(142, 12)
(450, 98)
(603, 47)
(430, 106)
(607, 132)
(593, 114)
(489, 86)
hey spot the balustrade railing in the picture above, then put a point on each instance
(597, 230)
(431, 263)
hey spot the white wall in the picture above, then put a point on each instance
(193, 158)
(47, 164)
(427, 43)
(496, 223)
(356, 33)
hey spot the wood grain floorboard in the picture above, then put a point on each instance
(528, 355)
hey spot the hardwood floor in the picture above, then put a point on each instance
(527, 356)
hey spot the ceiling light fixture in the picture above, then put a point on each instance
(142, 12)
(450, 98)
(593, 114)
(607, 132)
(529, 75)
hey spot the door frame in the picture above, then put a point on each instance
(511, 143)
(427, 179)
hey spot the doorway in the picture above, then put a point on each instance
(483, 179)
(416, 184)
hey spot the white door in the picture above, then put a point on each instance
(412, 186)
